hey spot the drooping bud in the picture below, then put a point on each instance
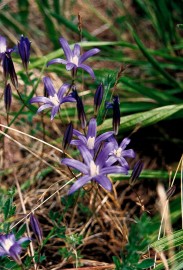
(7, 97)
(98, 96)
(9, 70)
(80, 108)
(24, 50)
(116, 114)
(36, 228)
(136, 172)
(67, 136)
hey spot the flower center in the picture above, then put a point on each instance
(55, 100)
(7, 244)
(2, 48)
(90, 143)
(94, 169)
(118, 152)
(75, 60)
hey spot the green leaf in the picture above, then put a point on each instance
(145, 264)
(143, 119)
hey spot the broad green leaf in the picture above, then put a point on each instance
(145, 264)
(143, 119)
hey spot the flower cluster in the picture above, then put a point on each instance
(101, 156)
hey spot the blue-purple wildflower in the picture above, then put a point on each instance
(118, 153)
(54, 100)
(24, 50)
(11, 247)
(93, 170)
(74, 59)
(91, 141)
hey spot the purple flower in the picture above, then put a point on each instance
(7, 63)
(74, 59)
(11, 247)
(54, 100)
(91, 141)
(93, 170)
(119, 153)
(24, 50)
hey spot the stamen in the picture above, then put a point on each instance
(94, 169)
(54, 99)
(90, 142)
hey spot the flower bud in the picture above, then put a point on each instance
(116, 114)
(98, 96)
(136, 172)
(67, 136)
(9, 70)
(24, 50)
(7, 97)
(36, 228)
(80, 108)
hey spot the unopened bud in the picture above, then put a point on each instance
(7, 97)
(136, 172)
(98, 96)
(36, 228)
(67, 136)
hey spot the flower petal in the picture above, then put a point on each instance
(87, 69)
(76, 50)
(87, 157)
(128, 153)
(2, 44)
(103, 137)
(57, 61)
(79, 183)
(54, 111)
(123, 162)
(23, 239)
(104, 182)
(43, 107)
(49, 86)
(41, 100)
(73, 163)
(103, 155)
(62, 90)
(68, 99)
(92, 128)
(70, 66)
(88, 54)
(66, 48)
(114, 170)
(111, 160)
(124, 143)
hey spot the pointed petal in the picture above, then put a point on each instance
(70, 66)
(73, 163)
(92, 128)
(104, 182)
(43, 107)
(23, 239)
(57, 61)
(123, 162)
(77, 133)
(87, 69)
(103, 137)
(103, 155)
(76, 50)
(2, 252)
(111, 160)
(2, 44)
(62, 90)
(54, 111)
(41, 100)
(128, 153)
(87, 157)
(49, 86)
(68, 99)
(66, 48)
(88, 54)
(114, 170)
(79, 183)
(124, 143)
